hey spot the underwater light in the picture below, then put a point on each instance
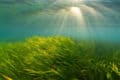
(75, 10)
(77, 0)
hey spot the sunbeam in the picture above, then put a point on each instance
(68, 17)
(75, 10)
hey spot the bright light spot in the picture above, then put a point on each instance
(78, 14)
(77, 1)
(75, 10)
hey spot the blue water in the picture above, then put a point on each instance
(20, 19)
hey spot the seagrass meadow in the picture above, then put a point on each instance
(59, 40)
(59, 58)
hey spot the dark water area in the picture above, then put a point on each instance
(95, 20)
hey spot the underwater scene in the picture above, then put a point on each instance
(59, 39)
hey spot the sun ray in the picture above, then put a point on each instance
(82, 16)
(63, 15)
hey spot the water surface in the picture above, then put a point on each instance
(96, 20)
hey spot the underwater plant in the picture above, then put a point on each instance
(58, 58)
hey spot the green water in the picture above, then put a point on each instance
(59, 40)
(100, 20)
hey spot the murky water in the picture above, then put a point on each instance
(90, 20)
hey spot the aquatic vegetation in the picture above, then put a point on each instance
(59, 58)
